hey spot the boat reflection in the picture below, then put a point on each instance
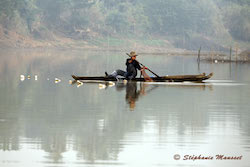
(135, 90)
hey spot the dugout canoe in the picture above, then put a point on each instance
(173, 78)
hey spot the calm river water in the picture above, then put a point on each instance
(46, 121)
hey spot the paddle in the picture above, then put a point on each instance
(147, 68)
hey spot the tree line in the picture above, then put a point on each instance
(175, 19)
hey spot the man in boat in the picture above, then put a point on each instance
(132, 67)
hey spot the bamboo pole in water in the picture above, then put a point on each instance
(199, 58)
(199, 55)
(236, 53)
(230, 53)
(212, 56)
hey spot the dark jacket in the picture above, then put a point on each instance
(132, 68)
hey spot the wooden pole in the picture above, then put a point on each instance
(199, 59)
(231, 54)
(236, 53)
(199, 55)
(211, 55)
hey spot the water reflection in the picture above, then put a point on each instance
(132, 93)
(62, 124)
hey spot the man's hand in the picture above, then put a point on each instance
(144, 68)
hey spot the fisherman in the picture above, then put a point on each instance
(132, 67)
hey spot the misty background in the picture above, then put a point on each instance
(184, 24)
(44, 122)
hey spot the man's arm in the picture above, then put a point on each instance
(128, 61)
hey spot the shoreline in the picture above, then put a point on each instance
(159, 47)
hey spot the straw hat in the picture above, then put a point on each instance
(132, 54)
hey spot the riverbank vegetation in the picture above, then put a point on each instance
(171, 24)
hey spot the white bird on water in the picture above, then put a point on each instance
(102, 86)
(22, 77)
(79, 83)
(57, 80)
(111, 84)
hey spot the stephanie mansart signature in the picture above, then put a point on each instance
(205, 157)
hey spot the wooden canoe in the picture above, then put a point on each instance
(173, 78)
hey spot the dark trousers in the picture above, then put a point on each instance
(130, 74)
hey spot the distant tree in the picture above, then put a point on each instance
(173, 17)
(237, 20)
(21, 9)
(65, 13)
(118, 21)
